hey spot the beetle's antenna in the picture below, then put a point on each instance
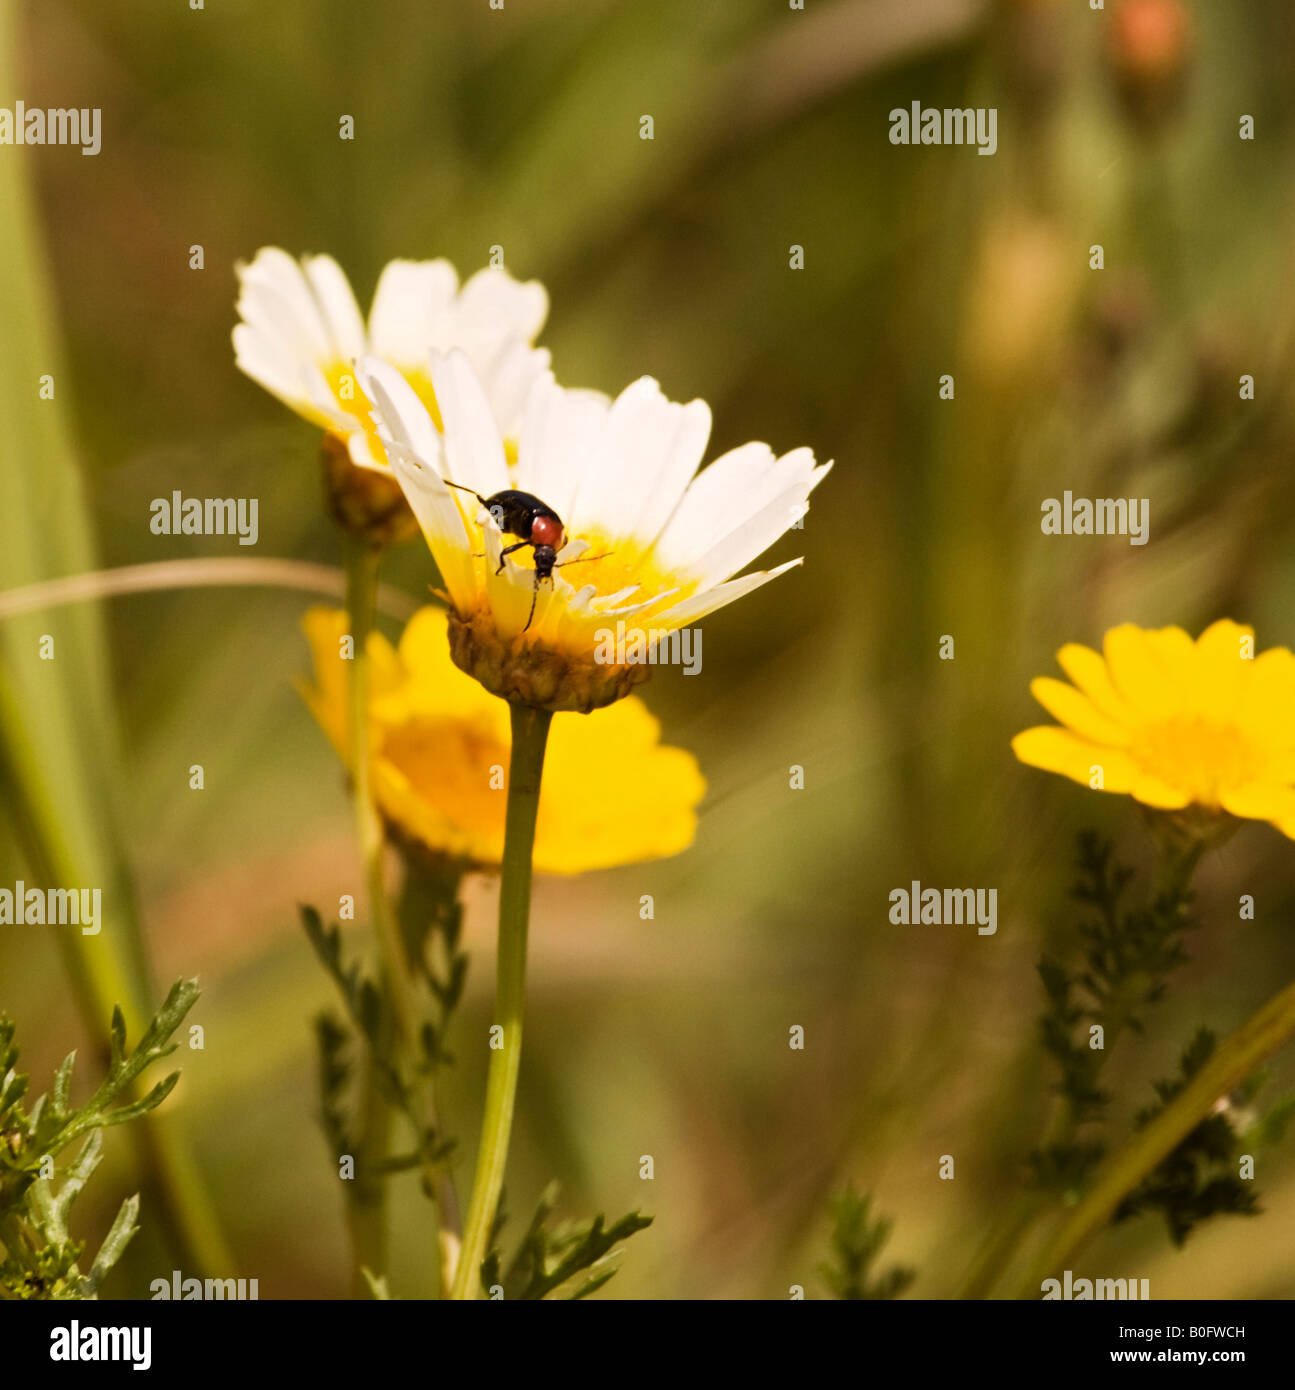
(580, 559)
(462, 488)
(535, 593)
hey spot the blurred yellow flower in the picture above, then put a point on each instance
(612, 792)
(1174, 723)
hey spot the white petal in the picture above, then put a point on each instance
(727, 494)
(510, 382)
(337, 306)
(412, 310)
(699, 605)
(609, 601)
(753, 537)
(566, 612)
(496, 308)
(323, 402)
(643, 606)
(649, 450)
(472, 448)
(275, 296)
(360, 448)
(412, 446)
(400, 416)
(511, 594)
(265, 364)
(560, 432)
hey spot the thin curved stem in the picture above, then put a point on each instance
(530, 728)
(1235, 1060)
(215, 572)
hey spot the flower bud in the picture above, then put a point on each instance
(1148, 47)
(363, 501)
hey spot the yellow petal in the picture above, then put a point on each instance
(1058, 750)
(432, 684)
(1064, 703)
(1287, 828)
(612, 793)
(1176, 652)
(1090, 674)
(327, 697)
(1221, 670)
(1267, 707)
(1260, 801)
(1151, 790)
(1142, 666)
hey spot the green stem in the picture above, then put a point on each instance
(530, 729)
(367, 1213)
(1230, 1065)
(999, 1246)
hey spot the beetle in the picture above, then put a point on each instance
(539, 526)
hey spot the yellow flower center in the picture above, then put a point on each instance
(612, 566)
(1199, 756)
(448, 755)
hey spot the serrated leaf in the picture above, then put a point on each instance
(117, 1033)
(591, 1285)
(61, 1090)
(141, 1107)
(122, 1232)
(15, 1089)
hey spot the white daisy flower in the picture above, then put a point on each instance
(638, 535)
(302, 331)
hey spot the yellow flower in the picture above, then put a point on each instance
(612, 792)
(1174, 723)
(652, 544)
(301, 332)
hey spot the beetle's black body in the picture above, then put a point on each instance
(517, 512)
(539, 526)
(523, 514)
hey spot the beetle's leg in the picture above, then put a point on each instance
(508, 550)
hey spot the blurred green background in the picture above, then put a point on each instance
(671, 257)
